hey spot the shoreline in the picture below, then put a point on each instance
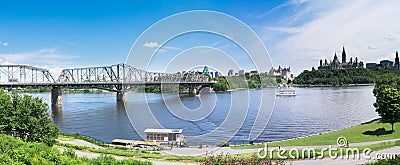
(302, 137)
(99, 142)
(345, 85)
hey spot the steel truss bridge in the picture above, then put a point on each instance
(116, 78)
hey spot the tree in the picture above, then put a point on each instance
(388, 105)
(221, 85)
(344, 76)
(28, 116)
(388, 80)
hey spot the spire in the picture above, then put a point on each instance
(343, 56)
(356, 61)
(396, 63)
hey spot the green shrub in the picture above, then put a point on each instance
(223, 144)
(14, 151)
(28, 117)
(226, 159)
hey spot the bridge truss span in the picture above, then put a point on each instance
(18, 74)
(125, 74)
(118, 78)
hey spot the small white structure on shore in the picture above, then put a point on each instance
(164, 135)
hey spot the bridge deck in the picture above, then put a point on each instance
(20, 84)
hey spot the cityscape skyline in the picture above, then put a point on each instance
(295, 32)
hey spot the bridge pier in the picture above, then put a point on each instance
(121, 96)
(56, 98)
(192, 91)
(205, 89)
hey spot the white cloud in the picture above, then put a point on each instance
(163, 49)
(392, 37)
(171, 48)
(371, 47)
(46, 56)
(55, 72)
(216, 43)
(289, 30)
(151, 45)
(288, 3)
(368, 29)
(5, 44)
(6, 63)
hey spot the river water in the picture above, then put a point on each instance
(313, 110)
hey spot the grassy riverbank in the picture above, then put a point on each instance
(319, 153)
(125, 153)
(367, 132)
(120, 151)
(15, 151)
(371, 131)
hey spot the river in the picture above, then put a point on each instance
(313, 110)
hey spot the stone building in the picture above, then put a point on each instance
(336, 64)
(284, 72)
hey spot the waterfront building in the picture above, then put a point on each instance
(216, 74)
(212, 74)
(231, 73)
(205, 70)
(241, 72)
(336, 64)
(167, 135)
(370, 65)
(386, 63)
(284, 72)
(253, 72)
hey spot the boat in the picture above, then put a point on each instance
(286, 91)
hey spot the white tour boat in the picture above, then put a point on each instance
(286, 92)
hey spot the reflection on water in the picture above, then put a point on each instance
(313, 110)
(56, 113)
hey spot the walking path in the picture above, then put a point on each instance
(227, 150)
(351, 161)
(95, 155)
(81, 143)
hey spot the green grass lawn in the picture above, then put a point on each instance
(354, 134)
(65, 138)
(130, 153)
(319, 152)
(372, 131)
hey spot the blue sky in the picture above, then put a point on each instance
(297, 33)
